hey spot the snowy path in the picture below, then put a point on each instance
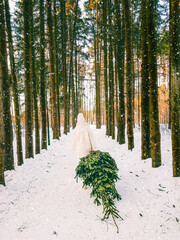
(42, 200)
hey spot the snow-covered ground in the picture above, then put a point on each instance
(42, 200)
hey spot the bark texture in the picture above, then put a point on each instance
(145, 121)
(2, 133)
(64, 68)
(28, 84)
(111, 75)
(53, 80)
(129, 75)
(120, 66)
(42, 79)
(14, 85)
(34, 79)
(153, 87)
(175, 85)
(105, 63)
(9, 158)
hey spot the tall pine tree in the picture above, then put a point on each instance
(42, 79)
(9, 158)
(111, 75)
(53, 82)
(153, 87)
(129, 76)
(64, 67)
(120, 65)
(28, 83)
(14, 84)
(34, 79)
(2, 132)
(105, 63)
(145, 122)
(175, 84)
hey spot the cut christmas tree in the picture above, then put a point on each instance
(98, 170)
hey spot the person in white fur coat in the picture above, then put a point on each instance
(82, 140)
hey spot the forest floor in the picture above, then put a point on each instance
(43, 201)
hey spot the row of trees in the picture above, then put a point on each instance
(47, 61)
(45, 48)
(126, 32)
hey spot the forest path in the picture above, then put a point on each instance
(42, 200)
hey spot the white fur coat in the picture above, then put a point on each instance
(82, 140)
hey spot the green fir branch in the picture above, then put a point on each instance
(99, 171)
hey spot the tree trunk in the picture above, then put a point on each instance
(42, 79)
(105, 63)
(56, 63)
(34, 79)
(132, 71)
(28, 83)
(2, 133)
(9, 159)
(97, 82)
(71, 74)
(53, 83)
(153, 88)
(138, 92)
(14, 86)
(116, 82)
(175, 85)
(120, 65)
(97, 75)
(73, 88)
(2, 116)
(128, 34)
(170, 47)
(64, 75)
(111, 75)
(145, 122)
(76, 80)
